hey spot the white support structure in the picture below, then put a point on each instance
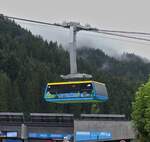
(72, 50)
(74, 28)
(24, 133)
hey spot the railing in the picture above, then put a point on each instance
(114, 117)
(11, 117)
(47, 119)
(53, 118)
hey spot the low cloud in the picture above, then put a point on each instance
(112, 47)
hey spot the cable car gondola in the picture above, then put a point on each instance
(75, 92)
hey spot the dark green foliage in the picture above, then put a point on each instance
(141, 112)
(5, 92)
(27, 63)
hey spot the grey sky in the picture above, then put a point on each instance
(130, 15)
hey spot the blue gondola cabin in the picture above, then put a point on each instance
(75, 92)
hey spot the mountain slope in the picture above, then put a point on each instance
(27, 63)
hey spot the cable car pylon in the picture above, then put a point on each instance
(74, 28)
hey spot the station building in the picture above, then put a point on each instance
(54, 127)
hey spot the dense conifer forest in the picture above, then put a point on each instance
(28, 62)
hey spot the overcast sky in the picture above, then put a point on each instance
(130, 15)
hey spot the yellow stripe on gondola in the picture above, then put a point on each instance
(69, 82)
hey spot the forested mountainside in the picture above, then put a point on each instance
(28, 62)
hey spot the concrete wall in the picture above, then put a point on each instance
(119, 129)
(50, 129)
(36, 128)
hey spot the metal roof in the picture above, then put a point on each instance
(51, 114)
(103, 115)
(11, 113)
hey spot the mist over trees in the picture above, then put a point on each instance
(28, 62)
